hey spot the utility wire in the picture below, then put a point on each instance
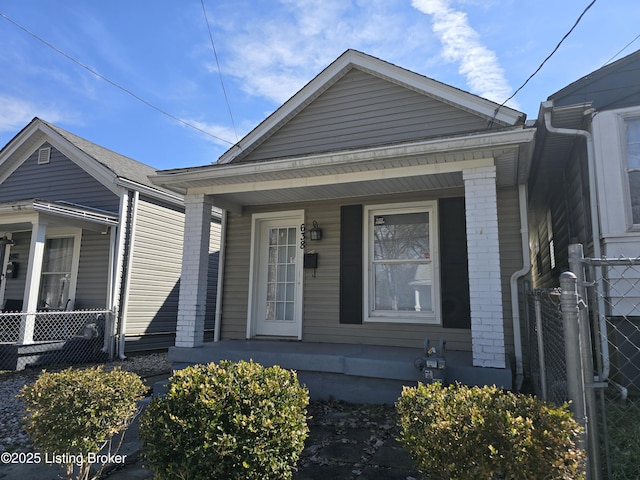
(621, 50)
(215, 54)
(543, 62)
(118, 86)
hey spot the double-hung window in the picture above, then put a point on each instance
(633, 165)
(59, 272)
(401, 263)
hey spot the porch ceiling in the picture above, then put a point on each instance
(434, 164)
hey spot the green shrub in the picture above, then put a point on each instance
(459, 432)
(76, 412)
(226, 421)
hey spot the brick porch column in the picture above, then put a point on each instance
(487, 323)
(193, 280)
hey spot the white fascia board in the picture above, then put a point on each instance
(318, 84)
(439, 90)
(13, 147)
(150, 192)
(386, 70)
(341, 178)
(222, 173)
(80, 158)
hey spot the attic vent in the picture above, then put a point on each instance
(44, 155)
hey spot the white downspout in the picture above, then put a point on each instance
(515, 304)
(124, 303)
(595, 224)
(219, 287)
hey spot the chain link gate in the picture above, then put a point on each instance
(584, 346)
(612, 288)
(55, 338)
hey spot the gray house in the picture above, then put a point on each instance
(373, 210)
(81, 228)
(585, 189)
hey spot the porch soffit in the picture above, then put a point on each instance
(553, 149)
(392, 169)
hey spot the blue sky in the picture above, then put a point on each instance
(161, 52)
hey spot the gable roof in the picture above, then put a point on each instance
(615, 85)
(109, 167)
(490, 112)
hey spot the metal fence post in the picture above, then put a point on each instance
(541, 359)
(570, 319)
(576, 264)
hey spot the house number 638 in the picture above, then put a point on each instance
(303, 242)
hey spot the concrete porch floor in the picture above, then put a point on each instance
(347, 372)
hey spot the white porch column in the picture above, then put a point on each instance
(32, 282)
(487, 323)
(193, 280)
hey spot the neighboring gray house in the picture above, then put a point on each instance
(419, 190)
(585, 183)
(82, 227)
(585, 189)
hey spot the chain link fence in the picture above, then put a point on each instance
(606, 315)
(547, 366)
(54, 338)
(615, 312)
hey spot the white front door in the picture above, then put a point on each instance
(277, 274)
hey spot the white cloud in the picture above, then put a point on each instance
(16, 113)
(462, 44)
(273, 54)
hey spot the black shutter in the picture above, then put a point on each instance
(351, 264)
(454, 268)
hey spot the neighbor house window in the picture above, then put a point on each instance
(401, 263)
(633, 166)
(58, 273)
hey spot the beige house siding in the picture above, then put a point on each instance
(362, 110)
(155, 270)
(510, 253)
(321, 294)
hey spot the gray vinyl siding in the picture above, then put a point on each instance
(611, 87)
(14, 288)
(93, 271)
(566, 196)
(154, 276)
(156, 265)
(59, 180)
(362, 110)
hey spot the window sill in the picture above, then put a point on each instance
(399, 318)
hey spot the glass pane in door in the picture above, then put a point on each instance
(281, 279)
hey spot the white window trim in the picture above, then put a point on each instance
(76, 233)
(625, 116)
(427, 318)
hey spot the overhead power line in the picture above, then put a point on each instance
(111, 82)
(621, 50)
(215, 54)
(544, 61)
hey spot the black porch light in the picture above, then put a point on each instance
(315, 233)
